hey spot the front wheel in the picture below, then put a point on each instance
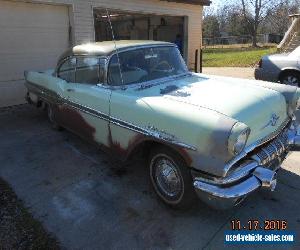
(291, 78)
(171, 178)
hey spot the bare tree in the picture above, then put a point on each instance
(254, 12)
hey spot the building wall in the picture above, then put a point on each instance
(82, 19)
(82, 23)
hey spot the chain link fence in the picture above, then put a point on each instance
(241, 40)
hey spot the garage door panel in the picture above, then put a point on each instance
(13, 68)
(33, 36)
(32, 40)
(29, 14)
(12, 93)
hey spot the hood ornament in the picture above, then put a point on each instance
(273, 121)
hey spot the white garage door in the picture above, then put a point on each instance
(32, 36)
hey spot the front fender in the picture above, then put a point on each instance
(204, 129)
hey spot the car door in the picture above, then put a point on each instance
(86, 112)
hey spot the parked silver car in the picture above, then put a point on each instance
(284, 68)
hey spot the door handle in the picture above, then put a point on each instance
(70, 90)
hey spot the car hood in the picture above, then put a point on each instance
(243, 100)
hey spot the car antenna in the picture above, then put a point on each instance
(116, 48)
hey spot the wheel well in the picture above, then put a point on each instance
(282, 73)
(144, 148)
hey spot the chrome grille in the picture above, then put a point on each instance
(272, 150)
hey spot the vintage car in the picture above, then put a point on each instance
(217, 138)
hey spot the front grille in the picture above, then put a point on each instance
(273, 150)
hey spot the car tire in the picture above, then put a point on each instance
(50, 113)
(290, 78)
(171, 178)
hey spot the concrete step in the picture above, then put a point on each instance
(293, 44)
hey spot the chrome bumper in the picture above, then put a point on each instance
(254, 173)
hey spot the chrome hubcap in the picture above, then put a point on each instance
(291, 80)
(167, 177)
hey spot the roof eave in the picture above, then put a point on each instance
(194, 2)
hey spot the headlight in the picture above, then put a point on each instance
(238, 138)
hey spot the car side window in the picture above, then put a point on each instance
(67, 70)
(90, 70)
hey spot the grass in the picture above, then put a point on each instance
(235, 56)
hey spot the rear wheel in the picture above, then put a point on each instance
(171, 178)
(51, 117)
(290, 78)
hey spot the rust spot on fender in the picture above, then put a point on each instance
(123, 152)
(114, 145)
(185, 155)
(73, 120)
(137, 140)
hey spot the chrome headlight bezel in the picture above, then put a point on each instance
(238, 138)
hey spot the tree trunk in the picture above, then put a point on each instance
(254, 40)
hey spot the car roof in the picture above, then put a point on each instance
(106, 48)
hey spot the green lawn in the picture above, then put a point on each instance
(234, 57)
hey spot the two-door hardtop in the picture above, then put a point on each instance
(220, 138)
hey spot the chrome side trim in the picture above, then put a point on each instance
(150, 131)
(87, 110)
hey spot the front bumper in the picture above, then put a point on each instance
(258, 170)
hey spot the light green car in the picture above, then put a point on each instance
(217, 138)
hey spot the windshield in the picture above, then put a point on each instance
(145, 64)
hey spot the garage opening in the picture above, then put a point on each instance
(134, 26)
